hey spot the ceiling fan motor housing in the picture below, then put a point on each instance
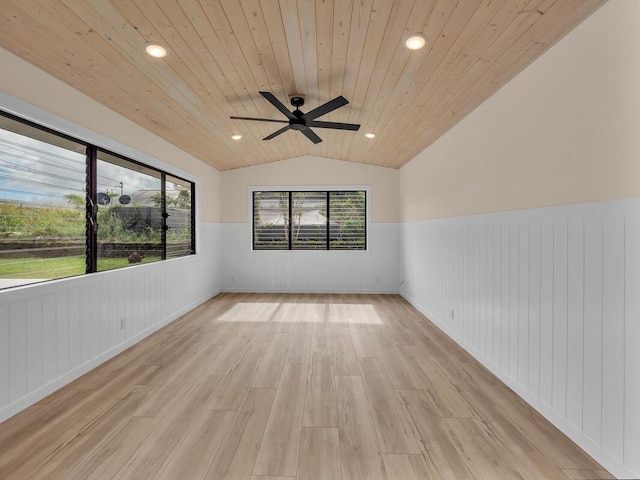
(296, 100)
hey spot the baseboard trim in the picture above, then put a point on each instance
(313, 291)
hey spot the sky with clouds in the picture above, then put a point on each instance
(35, 172)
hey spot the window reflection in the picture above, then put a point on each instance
(129, 213)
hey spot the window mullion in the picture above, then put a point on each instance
(365, 220)
(91, 186)
(290, 222)
(164, 214)
(328, 229)
(193, 218)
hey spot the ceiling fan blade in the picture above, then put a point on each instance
(330, 106)
(277, 132)
(336, 125)
(310, 134)
(278, 104)
(260, 119)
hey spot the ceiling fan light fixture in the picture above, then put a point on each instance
(155, 50)
(236, 136)
(370, 135)
(415, 41)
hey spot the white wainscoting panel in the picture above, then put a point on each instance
(306, 271)
(53, 332)
(549, 300)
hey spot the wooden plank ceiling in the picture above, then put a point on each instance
(223, 52)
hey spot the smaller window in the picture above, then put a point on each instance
(317, 220)
(348, 212)
(270, 220)
(144, 215)
(309, 221)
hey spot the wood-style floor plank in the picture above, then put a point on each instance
(406, 467)
(196, 452)
(319, 454)
(162, 402)
(153, 455)
(443, 458)
(598, 474)
(446, 398)
(21, 429)
(270, 477)
(404, 371)
(489, 402)
(359, 454)
(232, 388)
(479, 448)
(344, 355)
(290, 387)
(104, 461)
(393, 430)
(62, 460)
(239, 448)
(320, 409)
(76, 433)
(300, 348)
(269, 369)
(321, 338)
(278, 454)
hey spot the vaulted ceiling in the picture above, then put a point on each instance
(223, 52)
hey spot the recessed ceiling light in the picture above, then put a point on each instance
(415, 41)
(155, 50)
(236, 136)
(370, 135)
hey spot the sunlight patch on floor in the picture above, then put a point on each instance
(293, 312)
(250, 312)
(354, 313)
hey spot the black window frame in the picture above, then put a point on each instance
(289, 227)
(91, 189)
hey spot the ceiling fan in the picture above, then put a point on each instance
(303, 121)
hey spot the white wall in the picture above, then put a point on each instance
(52, 333)
(547, 299)
(562, 132)
(373, 271)
(310, 171)
(545, 295)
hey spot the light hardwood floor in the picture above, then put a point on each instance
(266, 386)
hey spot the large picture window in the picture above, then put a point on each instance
(310, 220)
(69, 208)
